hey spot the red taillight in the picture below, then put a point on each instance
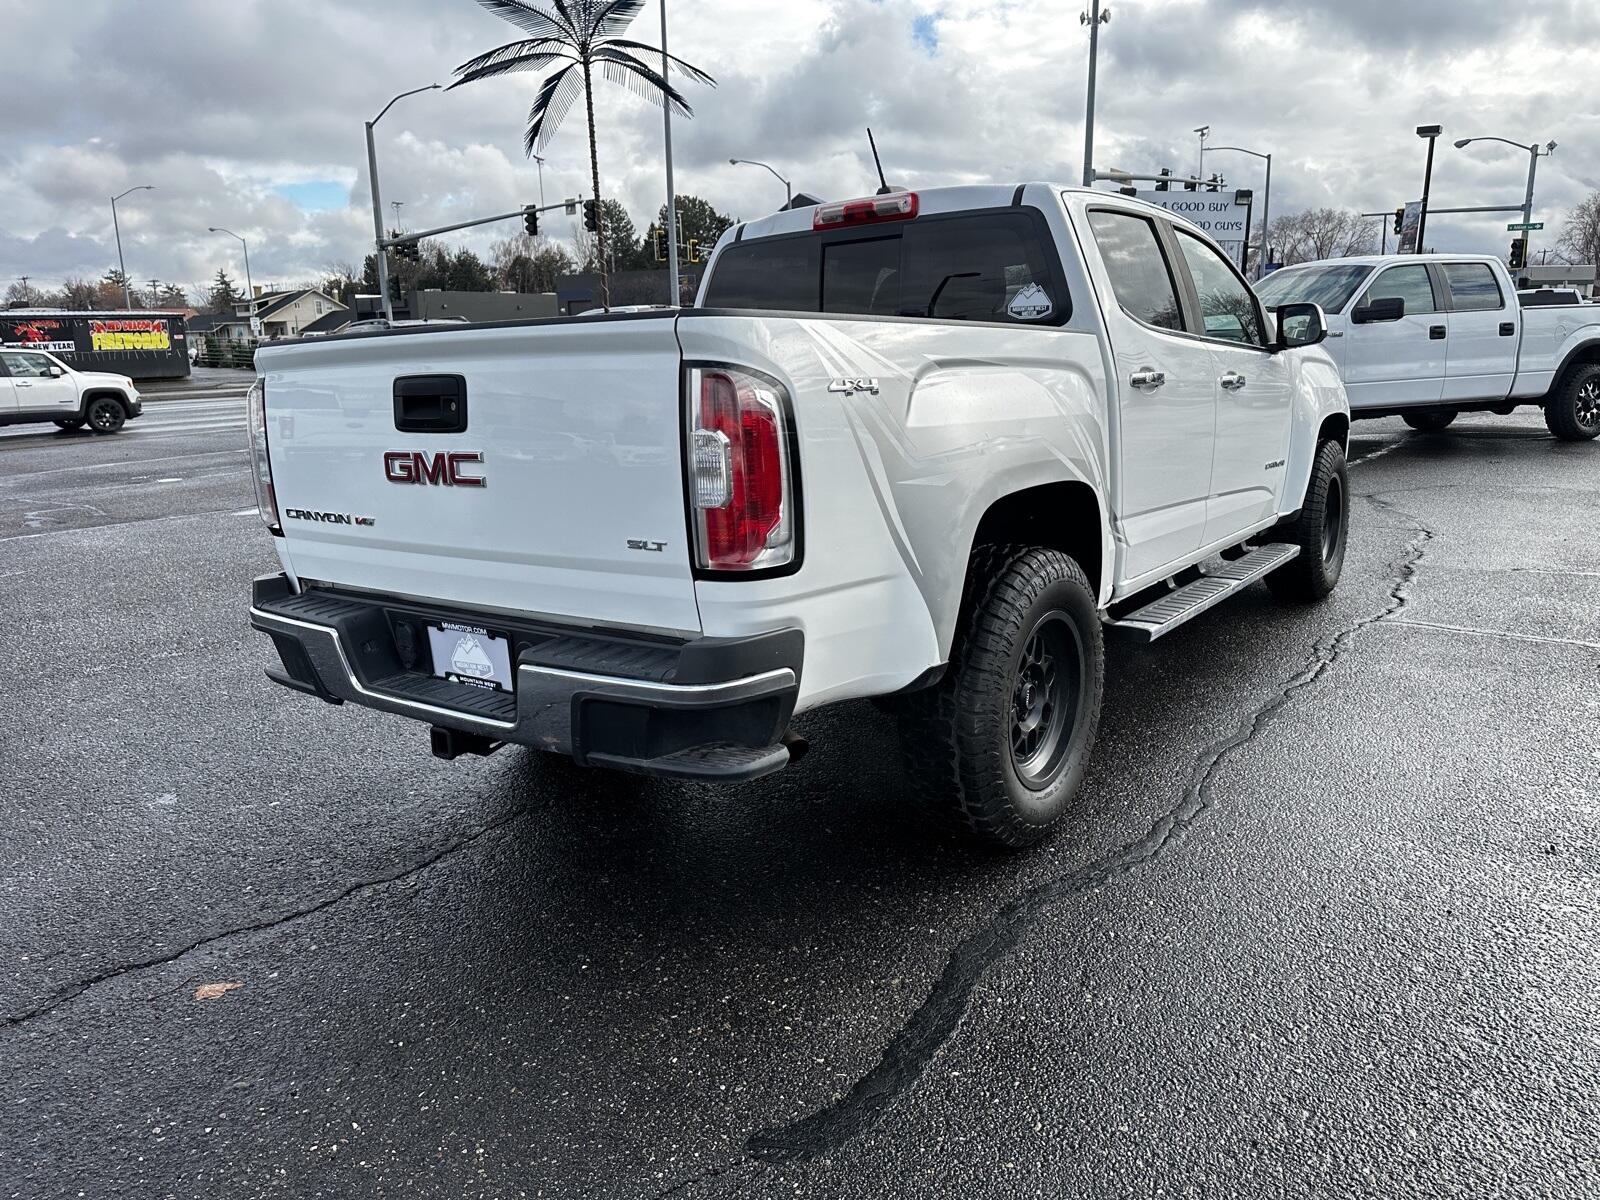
(896, 206)
(739, 468)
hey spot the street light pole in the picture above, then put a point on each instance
(249, 284)
(788, 190)
(1431, 133)
(1094, 18)
(377, 201)
(1535, 153)
(122, 267)
(674, 297)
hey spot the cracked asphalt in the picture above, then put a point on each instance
(1325, 922)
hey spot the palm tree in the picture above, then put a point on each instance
(580, 35)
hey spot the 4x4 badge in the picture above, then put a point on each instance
(849, 387)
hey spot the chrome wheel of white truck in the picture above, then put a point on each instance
(1572, 412)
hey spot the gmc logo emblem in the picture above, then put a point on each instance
(414, 466)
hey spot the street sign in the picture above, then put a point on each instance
(1524, 226)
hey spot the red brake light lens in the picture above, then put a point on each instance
(741, 484)
(896, 206)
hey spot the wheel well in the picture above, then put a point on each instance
(1058, 516)
(1337, 427)
(90, 397)
(1581, 357)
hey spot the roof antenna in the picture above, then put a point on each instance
(883, 184)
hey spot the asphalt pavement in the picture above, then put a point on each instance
(1325, 924)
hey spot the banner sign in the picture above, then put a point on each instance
(140, 345)
(1409, 224)
(1214, 212)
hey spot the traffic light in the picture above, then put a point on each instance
(591, 215)
(530, 220)
(694, 250)
(1163, 184)
(1519, 253)
(1189, 185)
(658, 242)
(1400, 220)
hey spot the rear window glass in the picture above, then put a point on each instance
(992, 266)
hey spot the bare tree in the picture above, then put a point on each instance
(1580, 235)
(1319, 233)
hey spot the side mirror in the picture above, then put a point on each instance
(54, 372)
(1390, 308)
(1300, 325)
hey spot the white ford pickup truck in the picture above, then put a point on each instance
(1428, 337)
(920, 447)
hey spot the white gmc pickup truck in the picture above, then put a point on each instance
(1427, 337)
(920, 447)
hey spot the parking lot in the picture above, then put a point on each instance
(1326, 922)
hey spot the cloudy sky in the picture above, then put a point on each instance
(249, 114)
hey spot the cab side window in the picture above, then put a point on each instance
(28, 366)
(1138, 269)
(1412, 284)
(1227, 305)
(1472, 287)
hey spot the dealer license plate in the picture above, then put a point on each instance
(471, 655)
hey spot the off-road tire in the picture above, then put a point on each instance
(1321, 530)
(105, 415)
(1430, 420)
(70, 424)
(1572, 410)
(1029, 616)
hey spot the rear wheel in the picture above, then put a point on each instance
(1429, 420)
(1320, 531)
(1004, 739)
(1572, 410)
(70, 424)
(105, 415)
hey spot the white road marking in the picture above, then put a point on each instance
(1490, 633)
(1379, 453)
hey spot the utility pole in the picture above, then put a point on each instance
(1203, 131)
(674, 297)
(1094, 18)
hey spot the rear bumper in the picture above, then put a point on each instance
(706, 707)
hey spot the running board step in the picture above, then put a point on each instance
(1176, 607)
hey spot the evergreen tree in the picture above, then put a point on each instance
(222, 296)
(699, 222)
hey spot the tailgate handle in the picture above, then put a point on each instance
(430, 404)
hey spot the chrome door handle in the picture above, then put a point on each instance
(23, 382)
(1232, 381)
(1146, 379)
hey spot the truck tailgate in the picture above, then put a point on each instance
(579, 515)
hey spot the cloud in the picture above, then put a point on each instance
(250, 116)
